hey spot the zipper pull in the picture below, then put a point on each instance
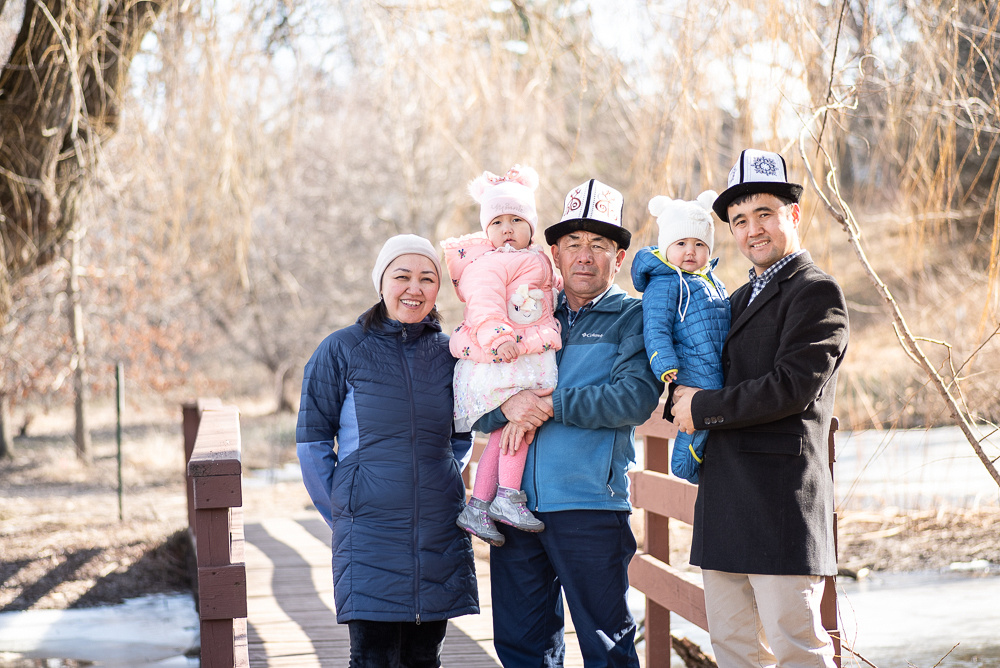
(418, 619)
(404, 338)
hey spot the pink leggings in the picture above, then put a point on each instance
(507, 470)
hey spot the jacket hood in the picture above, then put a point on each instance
(461, 252)
(649, 262)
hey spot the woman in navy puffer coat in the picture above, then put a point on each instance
(392, 488)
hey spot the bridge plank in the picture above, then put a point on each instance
(664, 495)
(290, 610)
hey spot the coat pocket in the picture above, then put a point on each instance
(771, 443)
(352, 502)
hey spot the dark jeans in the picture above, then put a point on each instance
(396, 644)
(582, 553)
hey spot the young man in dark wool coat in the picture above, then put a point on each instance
(763, 527)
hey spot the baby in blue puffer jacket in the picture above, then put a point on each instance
(685, 309)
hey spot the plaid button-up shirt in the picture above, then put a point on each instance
(759, 282)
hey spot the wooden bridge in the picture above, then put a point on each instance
(265, 591)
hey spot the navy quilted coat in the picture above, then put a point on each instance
(685, 319)
(392, 489)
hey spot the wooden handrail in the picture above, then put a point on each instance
(662, 497)
(215, 515)
(667, 589)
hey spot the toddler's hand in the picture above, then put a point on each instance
(507, 351)
(670, 377)
(681, 410)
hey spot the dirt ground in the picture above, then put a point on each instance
(895, 542)
(62, 544)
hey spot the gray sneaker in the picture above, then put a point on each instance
(509, 507)
(475, 520)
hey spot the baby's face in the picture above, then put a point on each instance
(688, 254)
(509, 229)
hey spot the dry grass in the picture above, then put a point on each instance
(917, 541)
(941, 289)
(62, 544)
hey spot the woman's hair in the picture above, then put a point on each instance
(378, 315)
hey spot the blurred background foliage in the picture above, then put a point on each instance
(229, 195)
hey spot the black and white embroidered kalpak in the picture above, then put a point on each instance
(764, 165)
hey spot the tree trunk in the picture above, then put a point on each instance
(288, 393)
(59, 97)
(6, 443)
(79, 360)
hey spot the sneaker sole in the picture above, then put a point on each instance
(494, 543)
(519, 528)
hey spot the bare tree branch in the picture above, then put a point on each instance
(843, 214)
(59, 99)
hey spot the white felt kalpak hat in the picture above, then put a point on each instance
(592, 207)
(402, 244)
(756, 172)
(680, 219)
(514, 193)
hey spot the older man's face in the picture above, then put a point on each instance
(588, 263)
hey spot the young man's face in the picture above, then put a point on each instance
(588, 263)
(766, 229)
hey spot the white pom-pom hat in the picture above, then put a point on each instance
(680, 219)
(513, 193)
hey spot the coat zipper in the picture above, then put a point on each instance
(533, 450)
(416, 475)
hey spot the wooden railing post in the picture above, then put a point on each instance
(657, 530)
(667, 589)
(828, 606)
(191, 412)
(215, 495)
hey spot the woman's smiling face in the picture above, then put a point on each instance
(410, 286)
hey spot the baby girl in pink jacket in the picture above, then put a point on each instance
(507, 341)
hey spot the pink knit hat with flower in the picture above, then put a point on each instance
(514, 193)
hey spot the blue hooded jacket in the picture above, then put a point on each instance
(392, 489)
(685, 319)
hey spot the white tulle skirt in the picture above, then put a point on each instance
(479, 388)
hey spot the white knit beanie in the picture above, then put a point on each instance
(514, 193)
(679, 219)
(402, 244)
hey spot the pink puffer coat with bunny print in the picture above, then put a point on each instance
(509, 295)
